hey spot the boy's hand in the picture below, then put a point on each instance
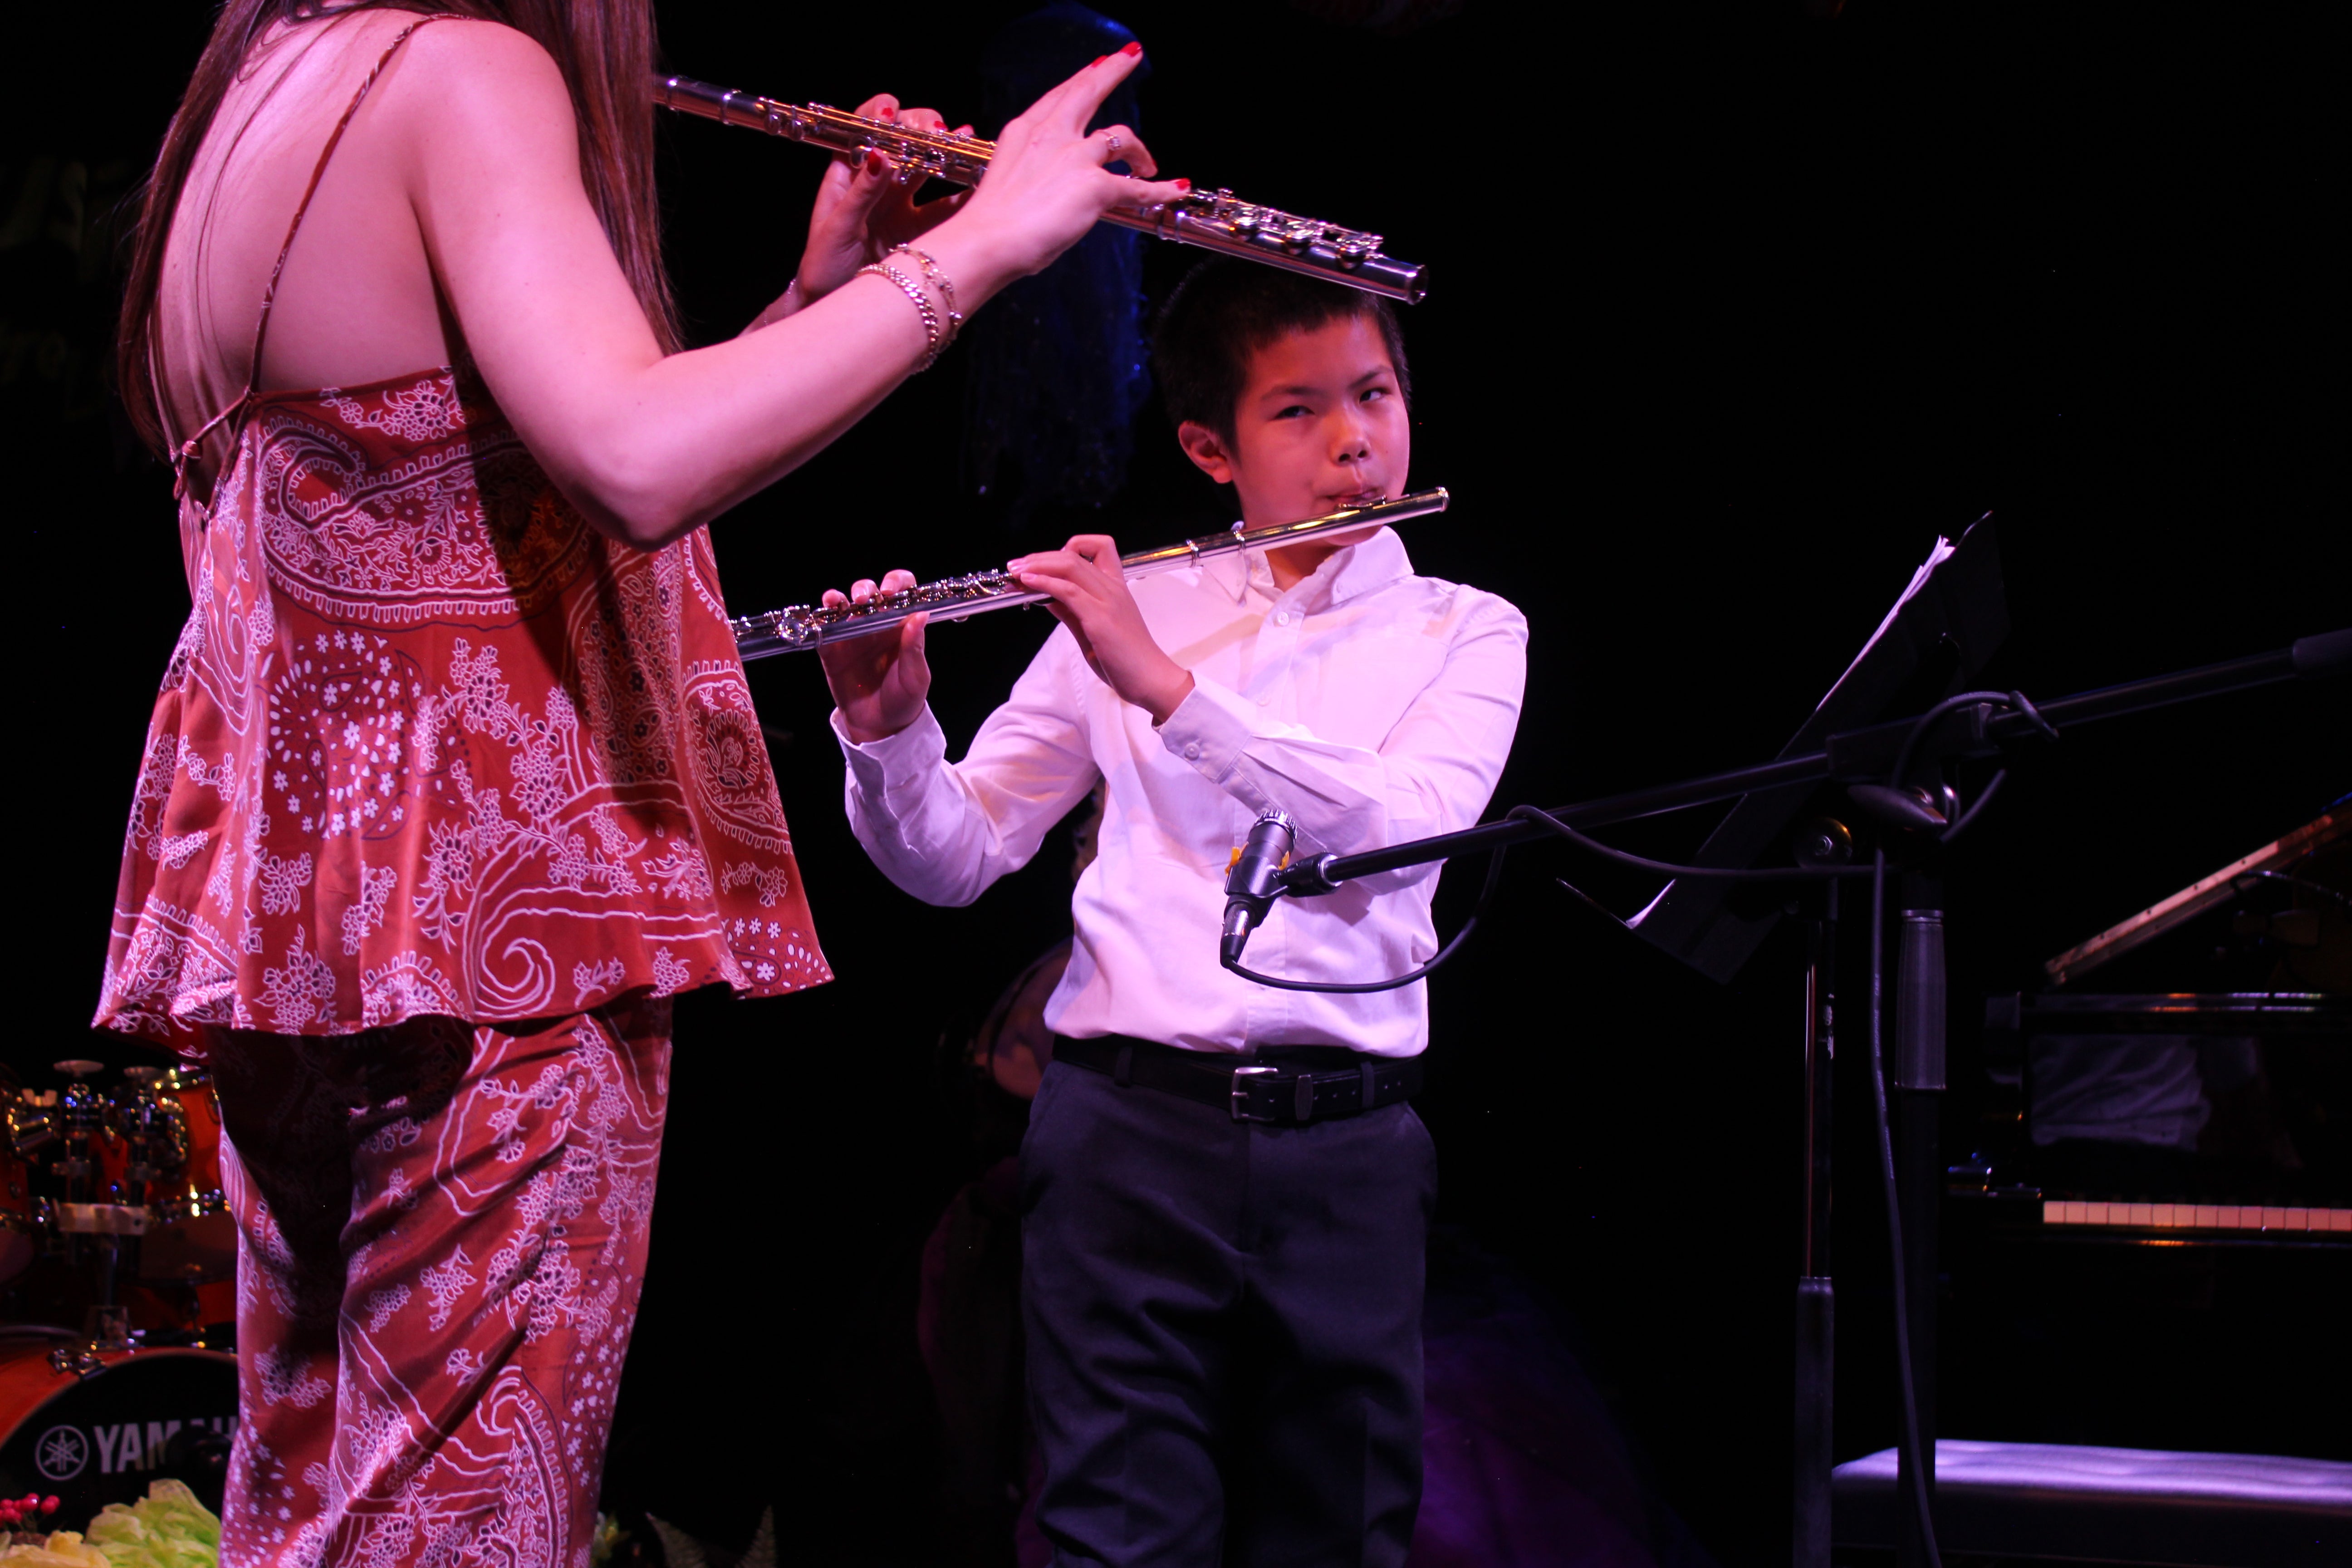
(880, 682)
(1090, 597)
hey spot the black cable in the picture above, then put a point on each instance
(1363, 987)
(1665, 868)
(1910, 1428)
(1960, 826)
(1920, 726)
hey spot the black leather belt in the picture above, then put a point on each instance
(1278, 1084)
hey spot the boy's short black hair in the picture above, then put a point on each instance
(1225, 311)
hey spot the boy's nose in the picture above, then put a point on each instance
(1351, 437)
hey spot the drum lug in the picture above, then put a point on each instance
(80, 1360)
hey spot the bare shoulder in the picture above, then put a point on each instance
(465, 50)
(465, 79)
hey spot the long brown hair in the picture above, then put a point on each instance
(605, 50)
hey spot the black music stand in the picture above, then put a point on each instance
(1954, 601)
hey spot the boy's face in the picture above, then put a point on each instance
(1320, 426)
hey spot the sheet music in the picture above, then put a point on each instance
(1936, 557)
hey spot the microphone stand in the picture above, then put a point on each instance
(1867, 757)
(1816, 1347)
(1854, 756)
(1918, 1084)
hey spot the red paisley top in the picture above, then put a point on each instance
(430, 744)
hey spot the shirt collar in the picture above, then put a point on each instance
(1349, 573)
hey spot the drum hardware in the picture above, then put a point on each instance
(32, 1122)
(81, 1360)
(83, 1113)
(154, 1128)
(112, 1213)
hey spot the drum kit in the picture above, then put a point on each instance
(118, 1257)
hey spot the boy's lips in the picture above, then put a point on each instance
(1355, 499)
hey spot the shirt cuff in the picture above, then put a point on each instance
(1210, 728)
(896, 761)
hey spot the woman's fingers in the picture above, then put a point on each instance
(1084, 93)
(1120, 145)
(1154, 193)
(1070, 104)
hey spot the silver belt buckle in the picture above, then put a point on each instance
(1241, 1092)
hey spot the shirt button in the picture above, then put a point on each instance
(1193, 752)
(1261, 702)
(1282, 617)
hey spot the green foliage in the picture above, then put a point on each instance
(168, 1528)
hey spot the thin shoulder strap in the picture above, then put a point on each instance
(186, 451)
(269, 295)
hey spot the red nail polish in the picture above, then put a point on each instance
(889, 113)
(1184, 185)
(1096, 61)
(1132, 48)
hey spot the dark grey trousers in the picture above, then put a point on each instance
(1223, 1330)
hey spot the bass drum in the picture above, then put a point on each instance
(148, 1416)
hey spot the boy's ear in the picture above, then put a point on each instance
(1207, 451)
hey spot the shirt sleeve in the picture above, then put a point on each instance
(1434, 772)
(945, 831)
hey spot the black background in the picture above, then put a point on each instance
(1734, 308)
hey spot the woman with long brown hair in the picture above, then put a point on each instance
(454, 780)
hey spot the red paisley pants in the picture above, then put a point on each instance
(442, 1231)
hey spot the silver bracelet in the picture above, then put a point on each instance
(914, 290)
(939, 281)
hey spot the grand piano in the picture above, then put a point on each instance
(2149, 1241)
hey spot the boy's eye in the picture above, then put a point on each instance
(1373, 394)
(1296, 411)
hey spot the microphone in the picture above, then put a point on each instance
(1250, 883)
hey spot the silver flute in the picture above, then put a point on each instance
(1213, 221)
(800, 627)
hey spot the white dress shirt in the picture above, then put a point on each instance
(1371, 705)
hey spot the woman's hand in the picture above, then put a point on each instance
(1047, 184)
(1090, 596)
(880, 680)
(650, 444)
(861, 208)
